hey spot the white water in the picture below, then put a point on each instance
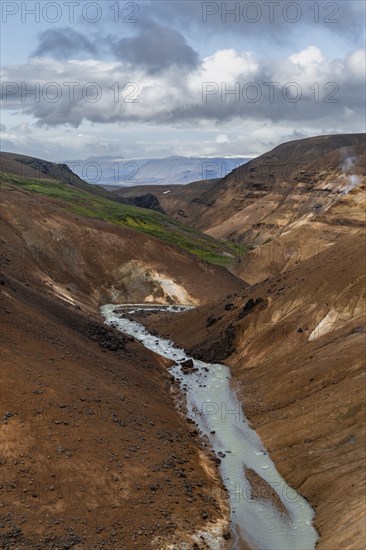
(212, 404)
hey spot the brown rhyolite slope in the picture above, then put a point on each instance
(296, 346)
(283, 185)
(319, 202)
(92, 261)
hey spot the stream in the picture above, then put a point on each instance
(275, 519)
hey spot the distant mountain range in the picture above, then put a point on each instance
(154, 171)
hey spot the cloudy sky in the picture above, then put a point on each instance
(159, 78)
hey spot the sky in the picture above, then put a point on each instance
(140, 79)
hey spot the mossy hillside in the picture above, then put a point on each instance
(153, 223)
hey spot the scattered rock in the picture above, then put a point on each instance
(211, 321)
(250, 304)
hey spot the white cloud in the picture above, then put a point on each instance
(171, 104)
(356, 63)
(309, 56)
(88, 89)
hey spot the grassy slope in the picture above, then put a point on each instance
(147, 221)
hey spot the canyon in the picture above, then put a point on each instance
(271, 260)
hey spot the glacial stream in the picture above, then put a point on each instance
(281, 521)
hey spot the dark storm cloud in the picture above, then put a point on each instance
(277, 21)
(63, 43)
(156, 48)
